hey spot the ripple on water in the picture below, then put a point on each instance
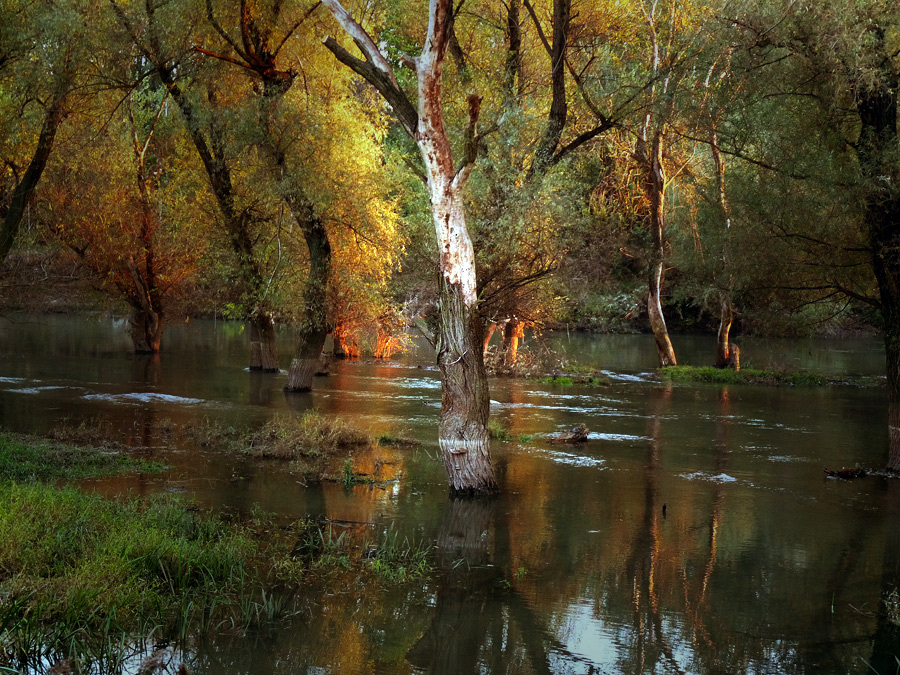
(143, 397)
(702, 475)
(38, 390)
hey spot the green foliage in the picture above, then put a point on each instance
(79, 569)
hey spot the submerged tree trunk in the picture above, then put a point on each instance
(263, 352)
(146, 331)
(727, 354)
(462, 431)
(512, 333)
(654, 186)
(490, 329)
(876, 149)
(308, 359)
(664, 350)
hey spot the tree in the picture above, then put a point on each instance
(37, 76)
(256, 52)
(840, 75)
(119, 205)
(206, 107)
(462, 432)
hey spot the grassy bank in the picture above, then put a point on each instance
(761, 377)
(87, 580)
(27, 458)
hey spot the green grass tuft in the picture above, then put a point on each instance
(743, 376)
(498, 431)
(25, 458)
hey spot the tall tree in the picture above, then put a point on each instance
(841, 70)
(38, 70)
(200, 103)
(256, 51)
(462, 432)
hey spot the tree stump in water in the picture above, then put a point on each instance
(578, 435)
(731, 360)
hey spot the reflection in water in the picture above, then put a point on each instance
(692, 533)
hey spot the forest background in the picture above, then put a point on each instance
(628, 165)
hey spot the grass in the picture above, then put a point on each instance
(87, 581)
(753, 376)
(26, 458)
(87, 578)
(399, 560)
(498, 431)
(590, 377)
(312, 443)
(76, 569)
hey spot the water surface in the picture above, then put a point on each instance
(695, 532)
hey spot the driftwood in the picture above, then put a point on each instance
(846, 474)
(578, 435)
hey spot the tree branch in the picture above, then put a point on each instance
(386, 84)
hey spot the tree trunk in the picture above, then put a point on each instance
(488, 334)
(308, 362)
(664, 349)
(22, 192)
(650, 158)
(263, 352)
(876, 149)
(146, 331)
(462, 431)
(727, 354)
(512, 333)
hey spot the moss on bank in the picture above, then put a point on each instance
(760, 377)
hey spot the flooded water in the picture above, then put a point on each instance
(694, 532)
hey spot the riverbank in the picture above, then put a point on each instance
(88, 582)
(753, 376)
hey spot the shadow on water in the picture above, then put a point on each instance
(693, 533)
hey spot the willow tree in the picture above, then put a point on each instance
(38, 73)
(122, 204)
(162, 32)
(837, 74)
(255, 47)
(462, 432)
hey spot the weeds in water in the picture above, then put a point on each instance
(348, 478)
(498, 431)
(81, 572)
(891, 604)
(392, 440)
(526, 438)
(399, 560)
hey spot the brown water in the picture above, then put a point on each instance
(693, 533)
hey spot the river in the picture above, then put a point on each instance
(695, 532)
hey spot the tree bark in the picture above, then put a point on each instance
(727, 354)
(654, 186)
(512, 333)
(146, 331)
(263, 352)
(876, 104)
(208, 138)
(23, 190)
(462, 431)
